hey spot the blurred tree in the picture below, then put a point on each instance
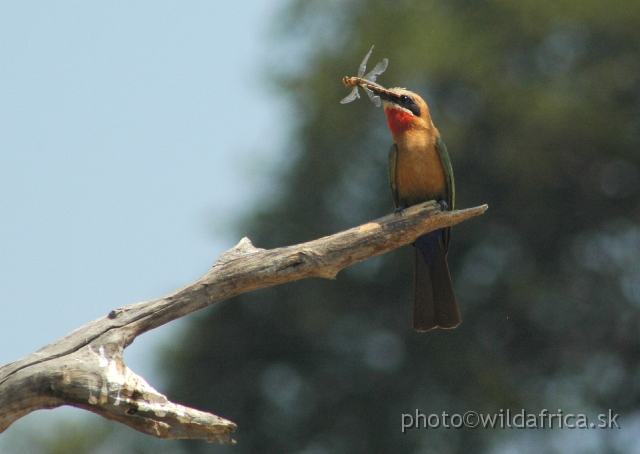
(539, 105)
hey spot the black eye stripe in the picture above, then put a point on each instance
(408, 103)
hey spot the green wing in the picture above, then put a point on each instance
(451, 187)
(393, 158)
(448, 172)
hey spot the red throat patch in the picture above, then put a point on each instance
(399, 120)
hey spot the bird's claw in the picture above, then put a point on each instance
(399, 210)
(443, 205)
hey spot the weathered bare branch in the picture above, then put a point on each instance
(85, 369)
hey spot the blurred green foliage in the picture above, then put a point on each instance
(539, 105)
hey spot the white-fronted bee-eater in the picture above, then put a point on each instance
(420, 170)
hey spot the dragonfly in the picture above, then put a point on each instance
(365, 81)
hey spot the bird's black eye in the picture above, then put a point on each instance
(408, 103)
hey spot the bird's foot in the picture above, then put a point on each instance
(443, 205)
(400, 209)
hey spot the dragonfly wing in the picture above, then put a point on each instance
(363, 65)
(374, 98)
(351, 96)
(379, 69)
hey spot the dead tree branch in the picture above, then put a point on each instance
(85, 369)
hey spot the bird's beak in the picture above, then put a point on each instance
(385, 95)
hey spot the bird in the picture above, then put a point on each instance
(420, 170)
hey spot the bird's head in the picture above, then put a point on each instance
(406, 111)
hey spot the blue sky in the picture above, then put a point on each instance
(133, 137)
